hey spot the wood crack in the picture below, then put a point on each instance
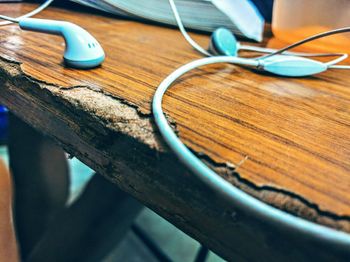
(113, 115)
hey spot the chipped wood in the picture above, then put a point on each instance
(102, 117)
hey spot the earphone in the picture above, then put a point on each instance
(82, 50)
(223, 42)
(277, 62)
(239, 199)
(283, 65)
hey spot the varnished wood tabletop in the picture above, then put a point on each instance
(290, 135)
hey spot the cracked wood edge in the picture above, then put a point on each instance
(122, 144)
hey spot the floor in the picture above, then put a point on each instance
(172, 241)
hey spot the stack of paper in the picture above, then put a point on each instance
(240, 16)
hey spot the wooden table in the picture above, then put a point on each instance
(289, 136)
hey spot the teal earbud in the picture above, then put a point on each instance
(82, 49)
(223, 42)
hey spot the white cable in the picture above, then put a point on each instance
(32, 13)
(237, 197)
(184, 32)
(339, 67)
(267, 50)
(336, 61)
(9, 19)
(196, 46)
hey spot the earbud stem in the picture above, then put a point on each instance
(41, 25)
(82, 49)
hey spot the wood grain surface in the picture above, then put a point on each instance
(290, 135)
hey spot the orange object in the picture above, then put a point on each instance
(8, 246)
(298, 19)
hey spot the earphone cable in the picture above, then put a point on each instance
(309, 39)
(237, 197)
(267, 50)
(336, 61)
(9, 19)
(271, 52)
(184, 32)
(31, 13)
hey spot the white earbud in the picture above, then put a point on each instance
(82, 49)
